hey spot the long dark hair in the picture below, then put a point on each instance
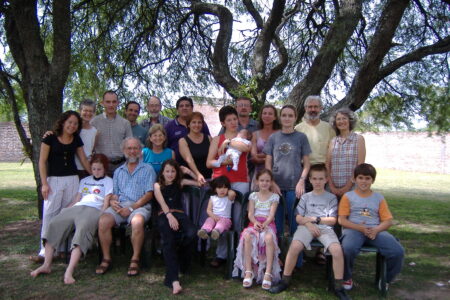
(176, 165)
(59, 124)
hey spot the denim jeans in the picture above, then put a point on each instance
(289, 200)
(387, 244)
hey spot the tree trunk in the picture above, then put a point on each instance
(42, 82)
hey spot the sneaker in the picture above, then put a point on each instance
(341, 294)
(348, 284)
(202, 234)
(281, 286)
(215, 234)
(386, 286)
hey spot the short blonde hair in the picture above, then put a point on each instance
(152, 130)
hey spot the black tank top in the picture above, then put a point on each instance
(199, 153)
(172, 195)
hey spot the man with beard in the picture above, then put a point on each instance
(133, 189)
(154, 112)
(318, 132)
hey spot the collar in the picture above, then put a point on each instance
(99, 178)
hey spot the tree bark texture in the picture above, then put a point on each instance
(42, 82)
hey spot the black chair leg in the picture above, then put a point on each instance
(330, 273)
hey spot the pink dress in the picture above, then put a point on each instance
(259, 259)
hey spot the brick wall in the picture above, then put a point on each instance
(408, 151)
(10, 145)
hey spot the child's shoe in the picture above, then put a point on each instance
(215, 234)
(348, 284)
(234, 168)
(247, 282)
(267, 284)
(202, 234)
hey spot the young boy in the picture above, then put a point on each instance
(316, 215)
(365, 217)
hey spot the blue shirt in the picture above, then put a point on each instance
(131, 187)
(140, 133)
(156, 159)
(176, 131)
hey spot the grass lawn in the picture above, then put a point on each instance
(420, 204)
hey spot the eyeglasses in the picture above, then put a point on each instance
(243, 105)
(313, 106)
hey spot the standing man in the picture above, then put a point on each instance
(133, 190)
(244, 109)
(112, 129)
(132, 110)
(177, 128)
(154, 111)
(318, 132)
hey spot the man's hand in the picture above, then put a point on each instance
(124, 212)
(315, 231)
(114, 203)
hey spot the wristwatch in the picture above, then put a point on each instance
(130, 208)
(318, 220)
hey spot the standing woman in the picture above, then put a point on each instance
(268, 122)
(287, 156)
(346, 151)
(57, 167)
(195, 146)
(239, 179)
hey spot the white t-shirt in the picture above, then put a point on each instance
(93, 191)
(262, 208)
(221, 206)
(88, 138)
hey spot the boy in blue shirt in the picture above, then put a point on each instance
(365, 218)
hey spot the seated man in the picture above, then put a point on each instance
(316, 215)
(133, 189)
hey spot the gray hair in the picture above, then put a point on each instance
(346, 112)
(124, 142)
(312, 98)
(157, 98)
(87, 102)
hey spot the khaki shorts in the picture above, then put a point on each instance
(327, 236)
(144, 211)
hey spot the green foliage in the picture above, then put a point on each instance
(392, 112)
(169, 112)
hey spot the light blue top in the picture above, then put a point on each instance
(131, 187)
(156, 159)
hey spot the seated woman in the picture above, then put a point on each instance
(157, 152)
(82, 215)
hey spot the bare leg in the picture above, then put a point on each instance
(338, 260)
(46, 266)
(137, 239)
(176, 287)
(105, 224)
(270, 249)
(74, 259)
(291, 257)
(248, 255)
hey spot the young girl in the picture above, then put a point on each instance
(287, 156)
(157, 151)
(177, 231)
(257, 252)
(219, 209)
(82, 215)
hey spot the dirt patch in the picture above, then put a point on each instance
(429, 291)
(424, 228)
(22, 228)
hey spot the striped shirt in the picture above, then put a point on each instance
(344, 157)
(131, 187)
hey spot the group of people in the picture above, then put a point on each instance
(320, 163)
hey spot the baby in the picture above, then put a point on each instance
(233, 153)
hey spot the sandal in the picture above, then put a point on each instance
(267, 284)
(101, 268)
(133, 271)
(36, 259)
(247, 282)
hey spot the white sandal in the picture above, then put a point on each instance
(267, 284)
(247, 282)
